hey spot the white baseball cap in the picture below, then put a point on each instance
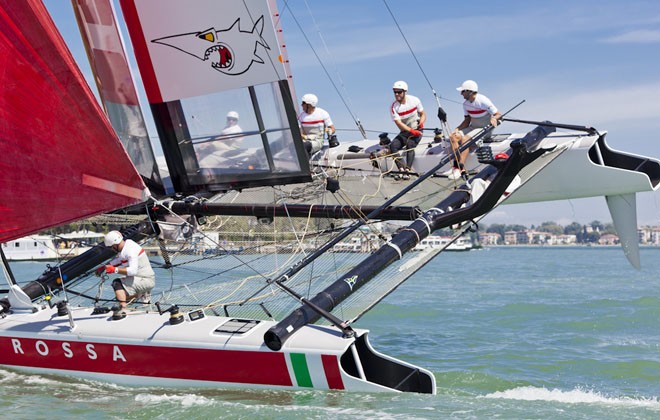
(470, 85)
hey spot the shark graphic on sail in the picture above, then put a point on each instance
(230, 51)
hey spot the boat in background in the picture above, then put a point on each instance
(446, 243)
(31, 248)
(50, 247)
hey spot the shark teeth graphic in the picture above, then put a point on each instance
(231, 51)
(225, 59)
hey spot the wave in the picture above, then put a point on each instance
(576, 396)
(185, 400)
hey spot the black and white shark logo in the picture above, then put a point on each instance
(230, 51)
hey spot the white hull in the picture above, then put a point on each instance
(144, 349)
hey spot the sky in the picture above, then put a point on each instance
(580, 62)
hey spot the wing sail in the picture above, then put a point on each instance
(54, 138)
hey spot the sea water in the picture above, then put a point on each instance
(509, 332)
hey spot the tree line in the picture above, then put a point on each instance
(587, 233)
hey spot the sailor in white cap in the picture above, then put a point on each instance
(132, 263)
(479, 112)
(315, 122)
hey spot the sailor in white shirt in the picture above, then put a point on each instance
(132, 262)
(314, 123)
(479, 112)
(408, 114)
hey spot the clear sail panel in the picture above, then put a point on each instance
(238, 137)
(229, 138)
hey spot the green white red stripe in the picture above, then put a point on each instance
(318, 371)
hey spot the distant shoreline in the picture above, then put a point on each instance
(564, 246)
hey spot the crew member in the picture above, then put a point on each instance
(409, 116)
(479, 112)
(314, 123)
(131, 262)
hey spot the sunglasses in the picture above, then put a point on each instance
(398, 92)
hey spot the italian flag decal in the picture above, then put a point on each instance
(319, 371)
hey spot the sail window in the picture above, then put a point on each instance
(236, 138)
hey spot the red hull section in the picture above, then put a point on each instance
(230, 366)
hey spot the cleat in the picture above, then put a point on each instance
(118, 313)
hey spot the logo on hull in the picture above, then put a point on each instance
(351, 281)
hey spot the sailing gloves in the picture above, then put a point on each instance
(415, 133)
(110, 269)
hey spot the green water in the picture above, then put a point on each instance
(533, 333)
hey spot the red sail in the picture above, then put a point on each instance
(59, 157)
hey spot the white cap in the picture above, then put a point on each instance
(310, 98)
(232, 114)
(400, 85)
(470, 85)
(113, 238)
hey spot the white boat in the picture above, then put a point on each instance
(446, 243)
(31, 248)
(253, 320)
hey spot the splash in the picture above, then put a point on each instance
(576, 396)
(187, 400)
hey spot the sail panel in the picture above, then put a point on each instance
(186, 51)
(53, 132)
(219, 92)
(108, 59)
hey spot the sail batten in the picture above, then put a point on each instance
(115, 187)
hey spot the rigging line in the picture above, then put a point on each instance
(409, 47)
(437, 98)
(270, 59)
(162, 204)
(435, 95)
(327, 51)
(325, 70)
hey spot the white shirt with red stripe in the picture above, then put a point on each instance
(408, 112)
(479, 111)
(313, 125)
(134, 259)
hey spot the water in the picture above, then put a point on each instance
(531, 333)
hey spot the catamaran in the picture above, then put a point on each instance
(281, 315)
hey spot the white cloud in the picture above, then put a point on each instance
(642, 36)
(593, 105)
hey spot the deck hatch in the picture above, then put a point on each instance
(236, 326)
